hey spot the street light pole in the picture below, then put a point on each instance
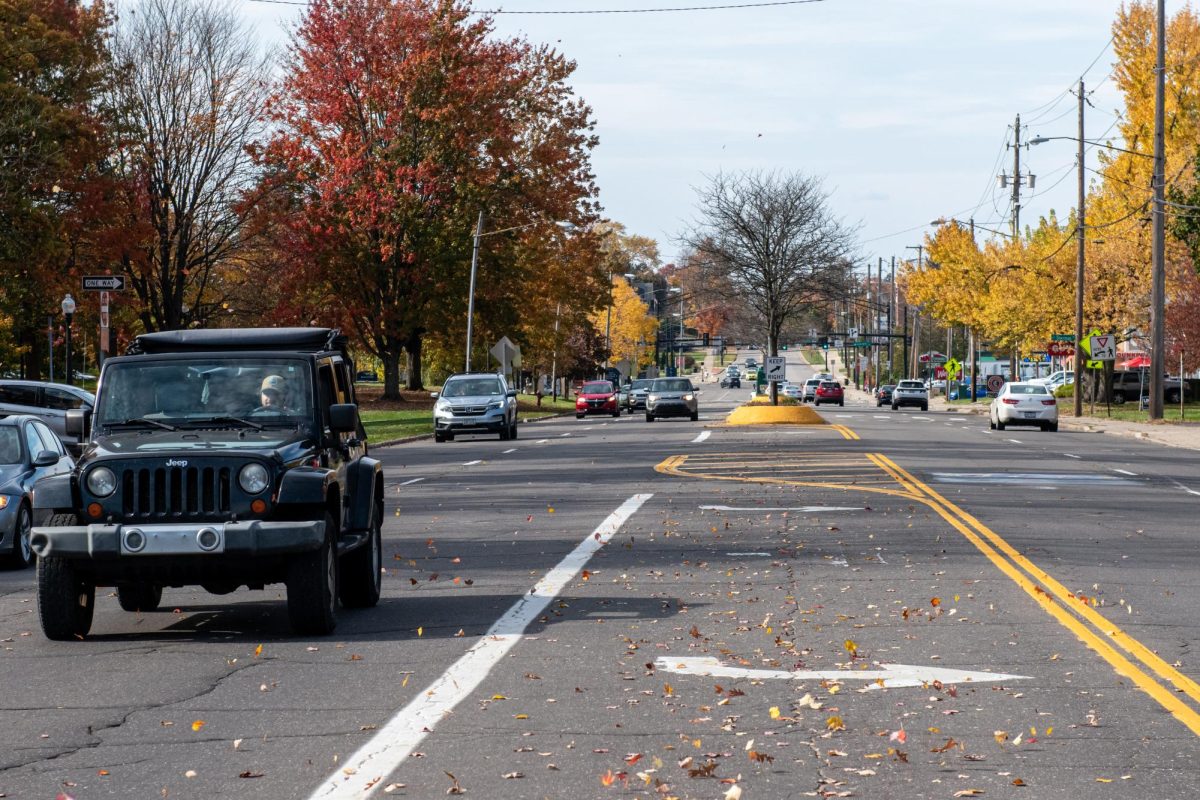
(68, 309)
(471, 291)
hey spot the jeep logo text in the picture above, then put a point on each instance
(176, 462)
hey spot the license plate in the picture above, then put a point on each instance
(1030, 414)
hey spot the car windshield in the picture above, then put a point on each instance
(813, 382)
(641, 384)
(673, 385)
(1026, 388)
(10, 445)
(830, 385)
(598, 387)
(205, 389)
(911, 385)
(472, 387)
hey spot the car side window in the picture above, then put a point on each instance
(327, 389)
(49, 440)
(33, 443)
(19, 395)
(59, 400)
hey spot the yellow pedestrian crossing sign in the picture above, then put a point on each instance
(1086, 345)
(953, 368)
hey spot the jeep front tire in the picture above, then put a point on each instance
(312, 586)
(66, 602)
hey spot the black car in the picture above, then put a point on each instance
(731, 382)
(883, 395)
(218, 458)
(29, 450)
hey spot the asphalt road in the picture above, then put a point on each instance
(607, 608)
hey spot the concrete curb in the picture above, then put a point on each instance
(422, 436)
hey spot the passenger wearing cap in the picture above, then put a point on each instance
(274, 395)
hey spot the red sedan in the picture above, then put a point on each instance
(830, 392)
(597, 397)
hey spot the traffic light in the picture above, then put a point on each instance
(824, 342)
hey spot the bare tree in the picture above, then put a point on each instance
(191, 94)
(775, 241)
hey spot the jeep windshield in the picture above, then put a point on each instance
(205, 391)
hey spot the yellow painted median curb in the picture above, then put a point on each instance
(774, 415)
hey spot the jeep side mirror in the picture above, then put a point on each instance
(434, 395)
(77, 422)
(343, 417)
(46, 458)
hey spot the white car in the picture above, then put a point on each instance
(793, 390)
(810, 390)
(1024, 404)
(1055, 379)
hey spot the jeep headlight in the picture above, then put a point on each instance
(653, 398)
(253, 478)
(101, 482)
(689, 397)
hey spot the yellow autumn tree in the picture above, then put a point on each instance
(631, 327)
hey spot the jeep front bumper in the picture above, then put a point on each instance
(253, 538)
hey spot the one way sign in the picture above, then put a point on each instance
(104, 283)
(776, 369)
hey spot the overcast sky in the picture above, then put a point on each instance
(904, 108)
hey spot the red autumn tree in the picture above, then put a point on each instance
(398, 122)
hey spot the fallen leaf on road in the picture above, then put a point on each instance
(733, 793)
(1019, 782)
(198, 724)
(949, 745)
(968, 793)
(512, 775)
(454, 787)
(774, 712)
(191, 773)
(835, 723)
(607, 778)
(899, 736)
(258, 651)
(249, 774)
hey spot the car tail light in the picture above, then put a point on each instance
(1049, 402)
(1009, 401)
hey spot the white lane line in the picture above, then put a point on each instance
(881, 416)
(1124, 471)
(1181, 486)
(924, 419)
(411, 482)
(1071, 455)
(509, 450)
(1014, 441)
(541, 441)
(568, 433)
(364, 771)
(472, 463)
(701, 437)
(736, 555)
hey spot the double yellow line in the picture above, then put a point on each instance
(1127, 655)
(845, 432)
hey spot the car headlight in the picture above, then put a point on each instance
(653, 398)
(689, 397)
(442, 408)
(101, 482)
(3, 501)
(493, 406)
(253, 478)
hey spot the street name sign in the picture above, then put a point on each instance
(1062, 337)
(776, 368)
(104, 283)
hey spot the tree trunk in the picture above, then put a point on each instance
(391, 373)
(413, 349)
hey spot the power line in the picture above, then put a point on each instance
(661, 10)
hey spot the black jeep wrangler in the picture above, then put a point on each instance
(218, 458)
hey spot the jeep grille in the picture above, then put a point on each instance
(175, 491)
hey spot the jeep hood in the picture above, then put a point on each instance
(208, 442)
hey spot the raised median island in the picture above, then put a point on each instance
(761, 412)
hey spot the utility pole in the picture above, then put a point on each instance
(1158, 351)
(890, 321)
(912, 368)
(1079, 273)
(471, 291)
(1016, 196)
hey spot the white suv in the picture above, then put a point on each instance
(910, 393)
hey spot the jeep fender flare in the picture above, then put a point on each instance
(306, 486)
(362, 479)
(54, 492)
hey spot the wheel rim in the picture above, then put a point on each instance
(24, 526)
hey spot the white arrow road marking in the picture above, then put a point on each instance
(1071, 455)
(701, 437)
(1181, 486)
(541, 441)
(893, 675)
(1014, 441)
(472, 463)
(364, 771)
(800, 509)
(410, 482)
(1124, 471)
(509, 450)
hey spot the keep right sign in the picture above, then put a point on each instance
(1104, 348)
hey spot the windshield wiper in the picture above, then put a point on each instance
(218, 420)
(143, 422)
